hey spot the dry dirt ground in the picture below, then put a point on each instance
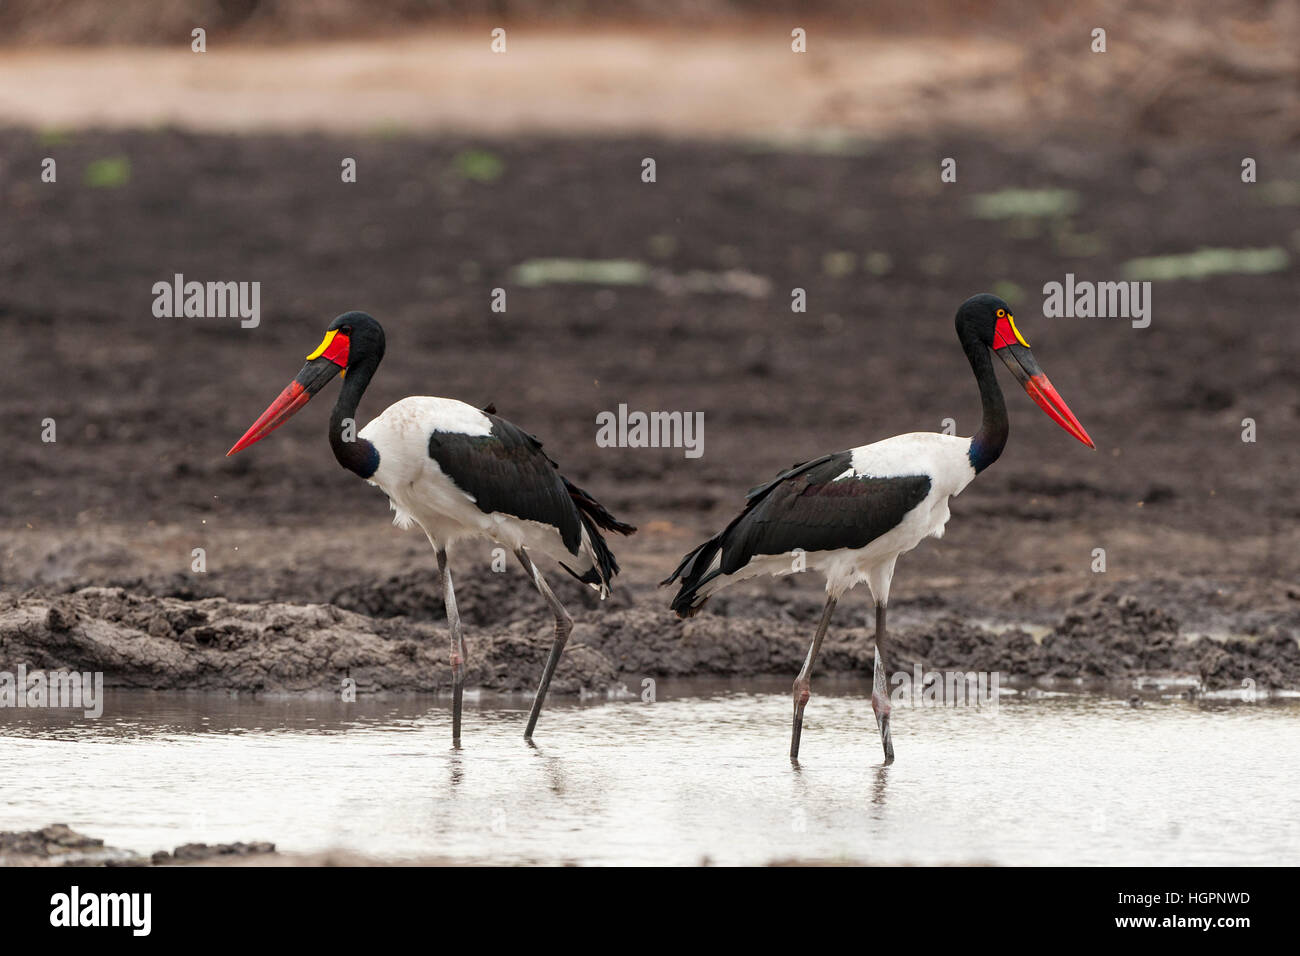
(607, 81)
(1204, 71)
(307, 582)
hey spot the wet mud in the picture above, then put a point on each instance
(146, 641)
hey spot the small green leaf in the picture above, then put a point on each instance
(108, 173)
(479, 165)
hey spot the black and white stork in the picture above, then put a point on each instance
(458, 472)
(851, 514)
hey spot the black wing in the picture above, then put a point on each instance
(507, 471)
(805, 508)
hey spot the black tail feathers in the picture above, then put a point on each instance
(594, 510)
(692, 573)
(594, 516)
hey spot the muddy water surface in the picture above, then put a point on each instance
(700, 774)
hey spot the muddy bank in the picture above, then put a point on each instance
(214, 644)
(60, 845)
(167, 643)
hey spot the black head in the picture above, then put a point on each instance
(353, 340)
(986, 320)
(364, 335)
(981, 315)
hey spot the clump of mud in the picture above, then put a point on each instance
(1270, 661)
(59, 845)
(207, 852)
(1115, 636)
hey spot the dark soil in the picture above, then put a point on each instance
(306, 582)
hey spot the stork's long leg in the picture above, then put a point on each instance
(563, 625)
(879, 688)
(803, 683)
(457, 645)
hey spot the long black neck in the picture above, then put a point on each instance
(989, 441)
(358, 455)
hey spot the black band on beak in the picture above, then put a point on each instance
(316, 374)
(1025, 368)
(1020, 360)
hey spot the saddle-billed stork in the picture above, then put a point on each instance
(458, 472)
(851, 514)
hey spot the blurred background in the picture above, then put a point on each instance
(775, 170)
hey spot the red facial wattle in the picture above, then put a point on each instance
(336, 350)
(1004, 334)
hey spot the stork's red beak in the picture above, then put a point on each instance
(1011, 347)
(330, 358)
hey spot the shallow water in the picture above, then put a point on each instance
(702, 774)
